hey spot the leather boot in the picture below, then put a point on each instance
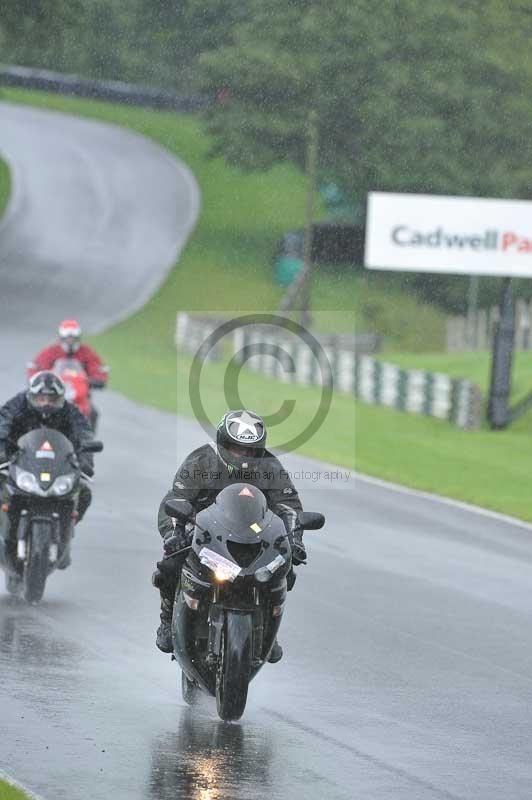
(164, 631)
(276, 653)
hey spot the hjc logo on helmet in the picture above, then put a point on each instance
(247, 437)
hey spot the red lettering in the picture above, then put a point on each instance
(509, 239)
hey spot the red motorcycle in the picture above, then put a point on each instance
(78, 387)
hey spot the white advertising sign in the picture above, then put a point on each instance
(431, 233)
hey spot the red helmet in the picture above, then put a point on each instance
(69, 336)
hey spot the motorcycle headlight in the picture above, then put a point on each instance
(63, 484)
(27, 482)
(222, 575)
(224, 570)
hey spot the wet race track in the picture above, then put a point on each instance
(408, 648)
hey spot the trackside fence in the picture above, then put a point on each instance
(477, 331)
(377, 382)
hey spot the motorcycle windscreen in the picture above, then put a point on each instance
(240, 527)
(45, 453)
(69, 366)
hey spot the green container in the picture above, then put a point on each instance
(286, 269)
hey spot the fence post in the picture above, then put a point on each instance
(501, 370)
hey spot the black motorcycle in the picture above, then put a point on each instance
(42, 483)
(231, 595)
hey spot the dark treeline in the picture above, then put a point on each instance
(103, 39)
(410, 95)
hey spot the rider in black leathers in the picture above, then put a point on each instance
(239, 456)
(44, 404)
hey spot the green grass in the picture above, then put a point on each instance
(227, 265)
(5, 185)
(490, 469)
(8, 792)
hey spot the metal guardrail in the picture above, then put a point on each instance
(117, 91)
(193, 329)
(415, 391)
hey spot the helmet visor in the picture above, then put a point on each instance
(245, 451)
(47, 402)
(70, 343)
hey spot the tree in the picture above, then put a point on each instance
(32, 29)
(411, 95)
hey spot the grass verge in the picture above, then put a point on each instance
(9, 792)
(5, 186)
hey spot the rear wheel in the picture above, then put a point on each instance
(234, 668)
(189, 690)
(36, 568)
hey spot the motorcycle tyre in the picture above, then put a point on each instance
(37, 567)
(234, 667)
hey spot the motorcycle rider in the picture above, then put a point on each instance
(69, 345)
(239, 455)
(44, 404)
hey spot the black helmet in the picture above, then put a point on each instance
(46, 393)
(241, 437)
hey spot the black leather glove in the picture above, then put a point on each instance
(174, 541)
(96, 383)
(86, 466)
(299, 554)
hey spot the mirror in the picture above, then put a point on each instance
(310, 520)
(180, 509)
(92, 447)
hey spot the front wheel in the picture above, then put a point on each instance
(189, 690)
(13, 584)
(234, 668)
(36, 567)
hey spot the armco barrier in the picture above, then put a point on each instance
(196, 328)
(116, 91)
(377, 382)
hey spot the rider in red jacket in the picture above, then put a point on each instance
(69, 345)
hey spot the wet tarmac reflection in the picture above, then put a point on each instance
(38, 665)
(207, 759)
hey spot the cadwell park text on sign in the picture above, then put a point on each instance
(404, 236)
(430, 233)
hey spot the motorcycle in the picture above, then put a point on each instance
(78, 387)
(42, 486)
(229, 604)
